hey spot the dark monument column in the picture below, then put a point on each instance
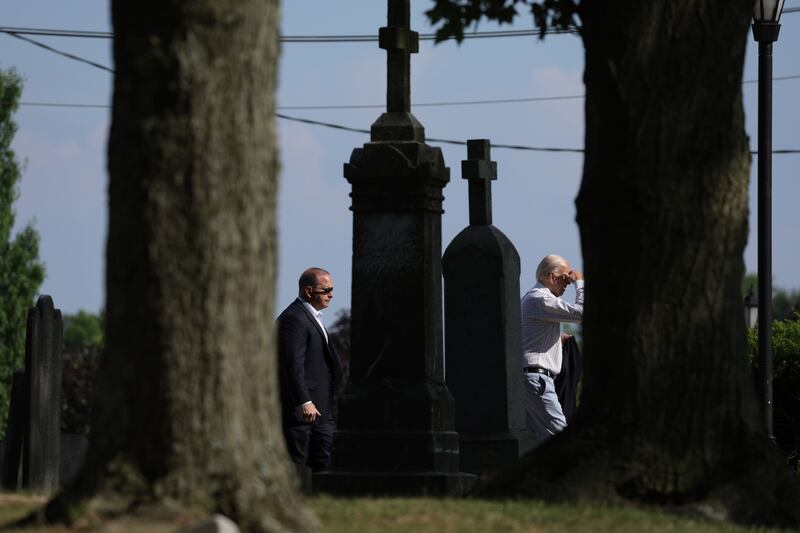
(42, 438)
(482, 319)
(396, 429)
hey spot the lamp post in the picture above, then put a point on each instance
(766, 27)
(751, 309)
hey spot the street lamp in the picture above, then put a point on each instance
(766, 27)
(750, 309)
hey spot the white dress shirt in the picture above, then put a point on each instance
(542, 313)
(317, 316)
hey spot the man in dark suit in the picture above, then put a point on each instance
(309, 371)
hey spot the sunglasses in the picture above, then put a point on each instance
(324, 290)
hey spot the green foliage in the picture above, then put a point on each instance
(457, 15)
(21, 272)
(750, 282)
(83, 345)
(83, 329)
(785, 346)
(79, 379)
(785, 302)
(785, 384)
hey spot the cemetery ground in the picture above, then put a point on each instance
(420, 515)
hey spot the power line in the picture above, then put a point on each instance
(55, 104)
(358, 106)
(365, 131)
(59, 52)
(49, 32)
(463, 143)
(58, 33)
(777, 78)
(437, 104)
(422, 36)
(53, 32)
(430, 139)
(475, 102)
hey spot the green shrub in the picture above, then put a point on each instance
(785, 384)
(21, 271)
(83, 329)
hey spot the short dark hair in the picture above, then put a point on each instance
(310, 276)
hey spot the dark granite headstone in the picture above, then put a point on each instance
(41, 445)
(15, 431)
(396, 430)
(73, 456)
(482, 323)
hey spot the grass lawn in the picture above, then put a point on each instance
(340, 515)
(420, 515)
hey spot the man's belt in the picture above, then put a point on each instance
(538, 370)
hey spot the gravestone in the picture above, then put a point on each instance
(15, 429)
(35, 413)
(482, 323)
(396, 430)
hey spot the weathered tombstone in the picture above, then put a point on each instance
(395, 430)
(73, 457)
(15, 430)
(34, 421)
(41, 446)
(482, 324)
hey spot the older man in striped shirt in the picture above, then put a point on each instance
(543, 311)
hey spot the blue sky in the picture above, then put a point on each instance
(64, 182)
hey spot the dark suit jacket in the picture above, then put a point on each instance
(309, 368)
(567, 380)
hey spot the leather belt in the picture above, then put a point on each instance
(538, 370)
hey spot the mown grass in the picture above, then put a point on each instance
(443, 515)
(418, 515)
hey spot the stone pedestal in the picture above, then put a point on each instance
(483, 341)
(396, 431)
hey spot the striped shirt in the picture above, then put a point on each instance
(542, 314)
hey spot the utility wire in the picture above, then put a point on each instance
(463, 143)
(475, 102)
(430, 139)
(51, 32)
(55, 104)
(365, 131)
(48, 32)
(437, 104)
(59, 52)
(359, 106)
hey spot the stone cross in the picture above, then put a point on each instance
(482, 329)
(479, 171)
(396, 425)
(398, 124)
(399, 42)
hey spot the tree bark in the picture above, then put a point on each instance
(187, 406)
(668, 412)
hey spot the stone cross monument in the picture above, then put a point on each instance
(396, 431)
(482, 321)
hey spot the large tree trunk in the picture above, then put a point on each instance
(187, 406)
(668, 411)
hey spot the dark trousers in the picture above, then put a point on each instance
(310, 444)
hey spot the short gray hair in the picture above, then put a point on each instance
(550, 263)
